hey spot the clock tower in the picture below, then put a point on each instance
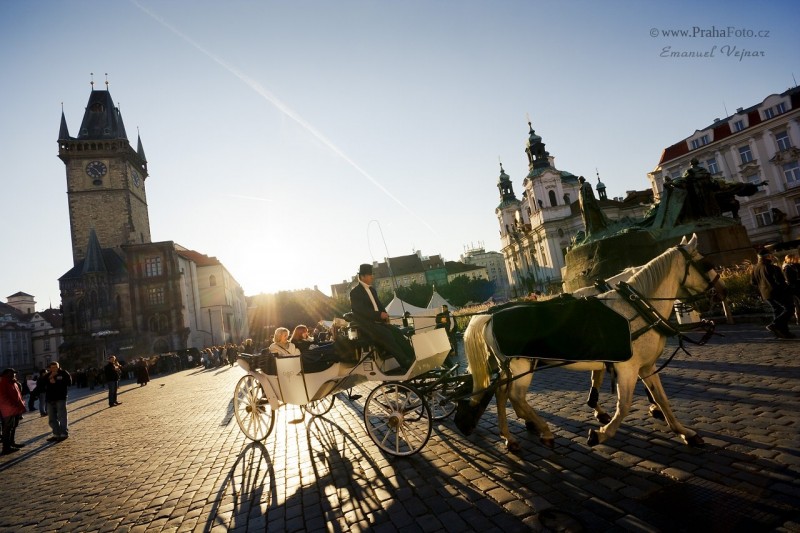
(105, 180)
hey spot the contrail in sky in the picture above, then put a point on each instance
(286, 110)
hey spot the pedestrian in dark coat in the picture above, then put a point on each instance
(112, 372)
(142, 375)
(774, 290)
(791, 271)
(58, 383)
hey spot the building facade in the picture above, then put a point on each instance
(495, 267)
(754, 145)
(536, 230)
(407, 270)
(29, 339)
(125, 294)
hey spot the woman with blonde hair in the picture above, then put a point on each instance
(281, 346)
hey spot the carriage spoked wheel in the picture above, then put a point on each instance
(397, 418)
(441, 402)
(320, 407)
(252, 409)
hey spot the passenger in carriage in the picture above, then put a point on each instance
(374, 320)
(301, 338)
(281, 346)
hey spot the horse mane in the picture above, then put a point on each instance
(654, 271)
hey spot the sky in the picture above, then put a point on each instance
(295, 140)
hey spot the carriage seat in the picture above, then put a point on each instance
(264, 361)
(323, 356)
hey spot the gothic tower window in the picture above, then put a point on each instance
(158, 323)
(152, 267)
(93, 308)
(552, 195)
(155, 295)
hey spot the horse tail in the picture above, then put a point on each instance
(478, 351)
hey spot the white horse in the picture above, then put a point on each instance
(678, 272)
(597, 375)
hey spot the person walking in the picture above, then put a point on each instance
(58, 382)
(112, 372)
(142, 375)
(791, 271)
(41, 391)
(11, 409)
(33, 394)
(774, 290)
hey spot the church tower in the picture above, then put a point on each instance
(105, 179)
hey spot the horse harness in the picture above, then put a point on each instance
(653, 319)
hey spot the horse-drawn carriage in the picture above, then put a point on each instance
(398, 413)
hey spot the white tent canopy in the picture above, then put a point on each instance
(437, 301)
(424, 319)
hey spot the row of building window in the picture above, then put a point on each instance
(775, 111)
(781, 139)
(739, 124)
(790, 170)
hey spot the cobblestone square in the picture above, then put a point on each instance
(172, 458)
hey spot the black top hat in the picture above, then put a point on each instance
(365, 270)
(764, 252)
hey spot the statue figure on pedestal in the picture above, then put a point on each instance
(706, 197)
(593, 218)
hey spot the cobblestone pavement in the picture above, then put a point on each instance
(172, 458)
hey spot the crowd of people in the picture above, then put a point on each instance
(51, 390)
(780, 288)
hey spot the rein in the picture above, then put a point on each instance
(656, 322)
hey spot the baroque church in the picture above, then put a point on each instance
(537, 230)
(125, 294)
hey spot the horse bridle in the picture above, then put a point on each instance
(710, 289)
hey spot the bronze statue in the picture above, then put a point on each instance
(707, 197)
(593, 218)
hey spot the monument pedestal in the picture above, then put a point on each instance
(725, 245)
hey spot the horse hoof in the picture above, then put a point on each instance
(694, 440)
(549, 442)
(656, 413)
(514, 447)
(530, 426)
(591, 401)
(594, 438)
(603, 418)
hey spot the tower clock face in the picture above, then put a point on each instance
(96, 169)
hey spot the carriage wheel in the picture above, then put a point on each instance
(441, 402)
(320, 407)
(252, 409)
(397, 419)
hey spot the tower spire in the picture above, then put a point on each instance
(601, 188)
(538, 156)
(63, 131)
